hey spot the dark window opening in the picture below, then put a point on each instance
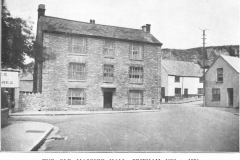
(177, 91)
(177, 79)
(220, 74)
(216, 94)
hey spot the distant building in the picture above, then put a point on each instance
(222, 82)
(180, 79)
(92, 66)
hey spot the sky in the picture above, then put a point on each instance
(175, 23)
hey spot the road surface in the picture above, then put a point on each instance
(184, 128)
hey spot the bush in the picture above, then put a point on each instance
(4, 100)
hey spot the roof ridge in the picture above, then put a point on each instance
(177, 61)
(94, 23)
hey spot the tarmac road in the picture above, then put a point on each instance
(175, 128)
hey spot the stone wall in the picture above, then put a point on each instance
(31, 101)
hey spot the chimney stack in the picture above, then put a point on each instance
(148, 28)
(41, 10)
(92, 21)
(144, 28)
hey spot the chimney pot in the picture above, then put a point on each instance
(144, 28)
(93, 21)
(42, 6)
(148, 27)
(41, 10)
(90, 21)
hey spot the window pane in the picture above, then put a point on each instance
(136, 75)
(77, 97)
(77, 71)
(135, 97)
(136, 52)
(108, 44)
(216, 94)
(78, 45)
(108, 73)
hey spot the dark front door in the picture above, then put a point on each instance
(163, 92)
(186, 93)
(107, 100)
(230, 96)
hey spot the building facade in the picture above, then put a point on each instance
(180, 79)
(222, 82)
(88, 66)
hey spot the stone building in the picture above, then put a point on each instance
(180, 79)
(88, 66)
(222, 82)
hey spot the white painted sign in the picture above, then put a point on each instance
(9, 79)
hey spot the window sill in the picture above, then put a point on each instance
(136, 83)
(219, 81)
(77, 80)
(107, 81)
(76, 106)
(177, 81)
(108, 57)
(135, 59)
(77, 54)
(216, 100)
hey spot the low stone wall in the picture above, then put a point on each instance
(30, 101)
(4, 117)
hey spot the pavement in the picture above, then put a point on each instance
(29, 136)
(181, 101)
(59, 113)
(24, 136)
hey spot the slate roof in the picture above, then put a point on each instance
(232, 61)
(182, 68)
(54, 24)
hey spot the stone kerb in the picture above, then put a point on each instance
(31, 101)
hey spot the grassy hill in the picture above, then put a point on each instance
(195, 54)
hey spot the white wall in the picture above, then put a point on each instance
(190, 83)
(164, 80)
(230, 80)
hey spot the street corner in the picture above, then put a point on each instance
(24, 136)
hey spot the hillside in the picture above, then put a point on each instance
(195, 54)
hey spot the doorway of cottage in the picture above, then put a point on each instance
(107, 100)
(230, 96)
(185, 93)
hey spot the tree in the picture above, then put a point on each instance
(17, 40)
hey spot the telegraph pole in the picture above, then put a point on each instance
(203, 49)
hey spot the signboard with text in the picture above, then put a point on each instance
(9, 79)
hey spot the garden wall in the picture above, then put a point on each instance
(31, 101)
